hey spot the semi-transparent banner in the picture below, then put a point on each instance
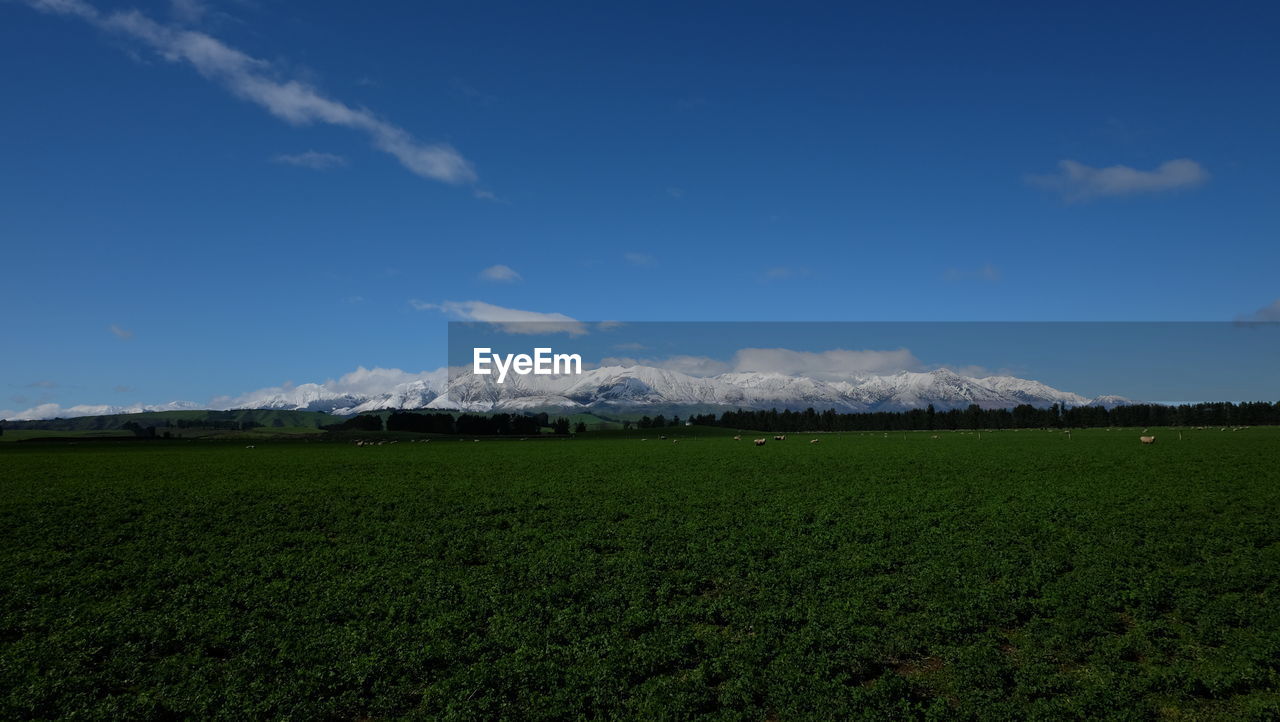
(854, 366)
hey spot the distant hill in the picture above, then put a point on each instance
(269, 418)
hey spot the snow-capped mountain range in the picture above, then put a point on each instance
(635, 388)
(625, 389)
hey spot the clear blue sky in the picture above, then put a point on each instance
(205, 197)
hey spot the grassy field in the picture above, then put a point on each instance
(1023, 574)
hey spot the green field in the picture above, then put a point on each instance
(1020, 575)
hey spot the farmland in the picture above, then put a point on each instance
(1020, 574)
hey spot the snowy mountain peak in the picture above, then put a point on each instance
(633, 388)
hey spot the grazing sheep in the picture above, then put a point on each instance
(675, 441)
(737, 438)
(250, 446)
(780, 437)
(934, 436)
(814, 441)
(1147, 439)
(759, 442)
(662, 437)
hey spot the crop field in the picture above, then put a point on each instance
(1018, 575)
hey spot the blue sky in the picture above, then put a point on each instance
(202, 198)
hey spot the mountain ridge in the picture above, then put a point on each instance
(634, 388)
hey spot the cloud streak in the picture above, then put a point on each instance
(123, 334)
(361, 383)
(510, 320)
(256, 81)
(1266, 314)
(987, 272)
(1076, 181)
(500, 273)
(312, 159)
(832, 365)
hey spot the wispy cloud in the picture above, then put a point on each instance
(510, 320)
(986, 272)
(188, 12)
(362, 382)
(258, 82)
(312, 159)
(472, 92)
(782, 273)
(640, 259)
(832, 365)
(700, 366)
(1078, 182)
(121, 333)
(1266, 314)
(500, 274)
(53, 410)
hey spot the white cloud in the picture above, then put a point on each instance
(500, 273)
(258, 82)
(314, 160)
(188, 12)
(361, 383)
(1266, 314)
(832, 365)
(510, 320)
(700, 366)
(1077, 181)
(121, 333)
(639, 259)
(826, 365)
(74, 8)
(973, 371)
(51, 410)
(987, 272)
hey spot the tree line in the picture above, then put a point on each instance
(463, 424)
(1025, 416)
